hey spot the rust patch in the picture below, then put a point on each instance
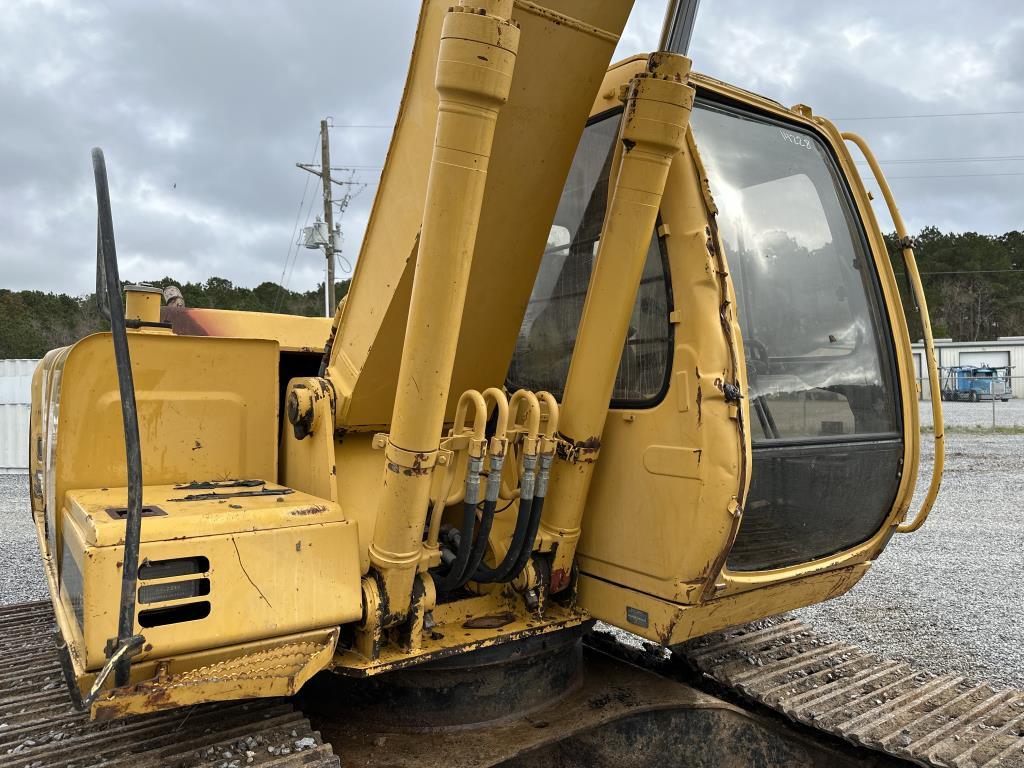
(578, 451)
(491, 621)
(183, 321)
(155, 697)
(665, 633)
(314, 510)
(560, 579)
(416, 470)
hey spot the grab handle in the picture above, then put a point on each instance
(906, 244)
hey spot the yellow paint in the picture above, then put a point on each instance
(278, 565)
(669, 623)
(935, 392)
(142, 302)
(652, 132)
(564, 49)
(308, 464)
(476, 60)
(278, 667)
(293, 333)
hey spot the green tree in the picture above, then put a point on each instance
(33, 322)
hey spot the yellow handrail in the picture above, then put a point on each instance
(914, 278)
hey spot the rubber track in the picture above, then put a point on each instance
(40, 728)
(897, 707)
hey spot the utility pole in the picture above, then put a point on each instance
(310, 235)
(325, 175)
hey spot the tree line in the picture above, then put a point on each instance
(974, 285)
(34, 322)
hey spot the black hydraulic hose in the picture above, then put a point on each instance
(527, 549)
(101, 277)
(538, 509)
(106, 260)
(483, 533)
(500, 573)
(476, 555)
(487, 575)
(453, 578)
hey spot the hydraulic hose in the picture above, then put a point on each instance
(106, 266)
(483, 533)
(500, 573)
(454, 577)
(526, 549)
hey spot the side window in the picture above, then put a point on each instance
(548, 334)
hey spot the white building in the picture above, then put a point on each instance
(1005, 350)
(15, 400)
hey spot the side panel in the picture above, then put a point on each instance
(315, 584)
(207, 410)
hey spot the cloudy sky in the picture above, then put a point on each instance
(203, 108)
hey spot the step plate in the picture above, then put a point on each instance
(897, 707)
(40, 727)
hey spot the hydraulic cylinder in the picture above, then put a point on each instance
(653, 131)
(474, 75)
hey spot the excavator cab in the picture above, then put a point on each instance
(622, 343)
(764, 206)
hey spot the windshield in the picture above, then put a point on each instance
(807, 304)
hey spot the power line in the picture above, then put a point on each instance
(977, 159)
(313, 167)
(365, 125)
(975, 271)
(936, 114)
(295, 257)
(293, 240)
(954, 176)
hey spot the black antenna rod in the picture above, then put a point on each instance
(107, 275)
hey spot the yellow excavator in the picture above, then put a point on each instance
(624, 344)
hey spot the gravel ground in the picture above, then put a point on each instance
(21, 573)
(1008, 415)
(948, 596)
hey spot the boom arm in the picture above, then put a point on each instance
(565, 47)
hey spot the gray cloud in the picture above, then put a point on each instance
(203, 109)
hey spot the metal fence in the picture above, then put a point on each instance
(15, 396)
(979, 412)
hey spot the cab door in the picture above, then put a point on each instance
(826, 430)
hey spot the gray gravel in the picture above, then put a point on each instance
(21, 573)
(948, 596)
(1008, 415)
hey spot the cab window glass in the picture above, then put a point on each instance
(548, 333)
(807, 301)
